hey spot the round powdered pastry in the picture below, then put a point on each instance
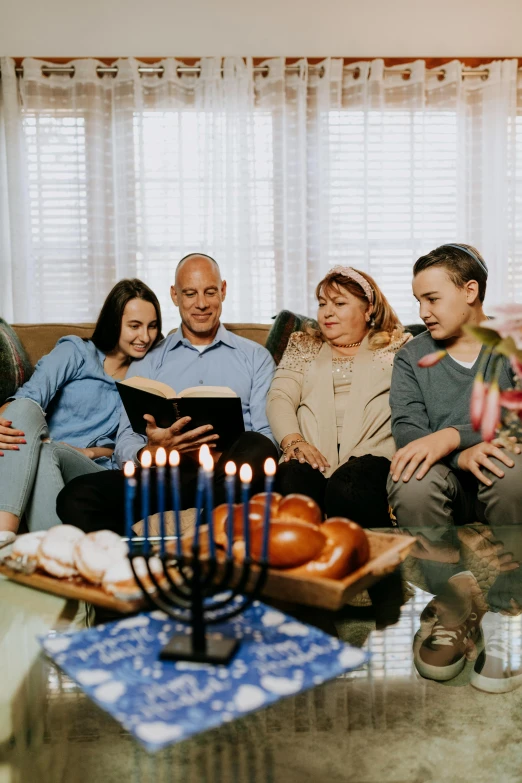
(96, 552)
(26, 546)
(56, 550)
(119, 578)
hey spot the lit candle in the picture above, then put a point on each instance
(174, 483)
(208, 466)
(200, 491)
(161, 461)
(245, 475)
(130, 491)
(146, 462)
(230, 486)
(270, 470)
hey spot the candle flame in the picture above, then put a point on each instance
(161, 457)
(128, 469)
(205, 458)
(245, 474)
(204, 454)
(230, 468)
(174, 459)
(270, 467)
(146, 459)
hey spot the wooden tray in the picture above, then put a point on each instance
(387, 551)
(75, 588)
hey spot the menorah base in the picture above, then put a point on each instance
(180, 648)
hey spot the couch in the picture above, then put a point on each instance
(39, 339)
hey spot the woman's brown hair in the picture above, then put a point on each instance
(385, 326)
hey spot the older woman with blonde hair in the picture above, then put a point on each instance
(328, 402)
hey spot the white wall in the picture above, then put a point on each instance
(353, 28)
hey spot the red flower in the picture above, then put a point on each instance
(478, 398)
(491, 412)
(431, 358)
(511, 399)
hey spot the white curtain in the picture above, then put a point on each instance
(277, 174)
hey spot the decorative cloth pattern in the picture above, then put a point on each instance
(15, 367)
(162, 702)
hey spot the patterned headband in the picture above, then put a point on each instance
(347, 271)
(472, 255)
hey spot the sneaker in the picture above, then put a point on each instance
(450, 632)
(494, 670)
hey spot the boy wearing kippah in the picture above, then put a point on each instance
(442, 472)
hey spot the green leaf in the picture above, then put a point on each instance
(506, 347)
(486, 336)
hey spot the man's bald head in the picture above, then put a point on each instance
(200, 257)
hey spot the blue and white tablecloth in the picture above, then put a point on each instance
(161, 702)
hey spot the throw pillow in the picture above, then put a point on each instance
(15, 367)
(284, 324)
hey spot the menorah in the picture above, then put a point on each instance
(198, 585)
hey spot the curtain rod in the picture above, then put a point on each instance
(101, 70)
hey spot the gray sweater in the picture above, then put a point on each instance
(426, 400)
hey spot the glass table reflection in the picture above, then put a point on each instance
(439, 699)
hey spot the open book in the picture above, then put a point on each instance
(215, 405)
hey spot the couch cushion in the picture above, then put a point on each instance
(15, 366)
(284, 324)
(39, 339)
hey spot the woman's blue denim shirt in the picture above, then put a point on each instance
(81, 401)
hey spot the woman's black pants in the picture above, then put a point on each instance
(356, 490)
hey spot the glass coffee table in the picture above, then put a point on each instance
(451, 614)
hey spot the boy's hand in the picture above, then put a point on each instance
(477, 457)
(423, 453)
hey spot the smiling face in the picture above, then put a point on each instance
(199, 293)
(139, 328)
(342, 316)
(444, 307)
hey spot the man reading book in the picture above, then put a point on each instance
(200, 353)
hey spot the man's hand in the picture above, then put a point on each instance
(9, 437)
(477, 457)
(174, 438)
(423, 453)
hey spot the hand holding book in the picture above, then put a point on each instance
(201, 414)
(174, 437)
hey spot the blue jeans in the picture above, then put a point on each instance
(31, 478)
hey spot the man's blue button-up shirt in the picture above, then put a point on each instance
(229, 360)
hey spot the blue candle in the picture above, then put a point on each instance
(161, 460)
(230, 487)
(209, 471)
(146, 461)
(200, 493)
(245, 474)
(174, 483)
(130, 492)
(270, 469)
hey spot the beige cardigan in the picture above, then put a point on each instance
(301, 399)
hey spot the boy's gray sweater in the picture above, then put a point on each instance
(426, 400)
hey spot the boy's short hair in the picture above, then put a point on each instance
(462, 263)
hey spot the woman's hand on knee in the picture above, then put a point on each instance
(305, 452)
(9, 438)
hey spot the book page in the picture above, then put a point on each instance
(208, 391)
(153, 387)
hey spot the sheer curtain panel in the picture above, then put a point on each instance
(278, 174)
